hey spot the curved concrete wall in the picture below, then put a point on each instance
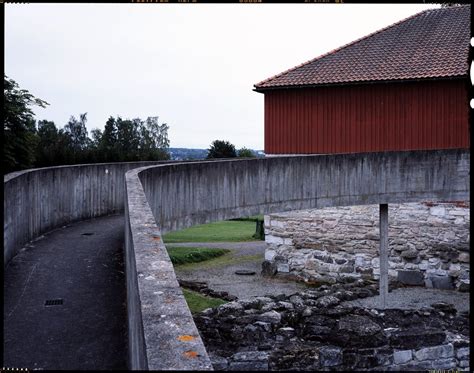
(181, 195)
(39, 200)
(174, 196)
(161, 330)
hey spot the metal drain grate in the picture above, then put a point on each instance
(53, 302)
(87, 234)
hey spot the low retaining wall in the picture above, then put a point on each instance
(184, 194)
(39, 200)
(428, 242)
(161, 330)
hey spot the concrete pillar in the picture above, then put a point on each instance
(383, 282)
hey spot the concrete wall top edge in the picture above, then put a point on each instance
(161, 328)
(12, 175)
(183, 194)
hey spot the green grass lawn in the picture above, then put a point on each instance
(198, 302)
(184, 255)
(191, 255)
(192, 258)
(222, 231)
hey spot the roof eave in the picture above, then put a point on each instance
(264, 89)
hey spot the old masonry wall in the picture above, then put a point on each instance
(428, 243)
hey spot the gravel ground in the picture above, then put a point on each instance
(416, 297)
(223, 278)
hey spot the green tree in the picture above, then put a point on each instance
(93, 154)
(221, 149)
(65, 153)
(76, 140)
(54, 146)
(154, 142)
(96, 138)
(245, 153)
(77, 131)
(132, 140)
(107, 147)
(128, 139)
(19, 129)
(48, 143)
(158, 133)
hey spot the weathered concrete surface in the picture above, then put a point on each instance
(83, 265)
(161, 330)
(39, 200)
(181, 195)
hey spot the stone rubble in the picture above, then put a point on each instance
(314, 330)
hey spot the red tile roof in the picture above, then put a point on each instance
(430, 44)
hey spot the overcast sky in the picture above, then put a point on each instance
(193, 65)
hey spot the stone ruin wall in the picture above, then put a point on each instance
(317, 330)
(428, 242)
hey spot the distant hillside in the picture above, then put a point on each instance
(182, 154)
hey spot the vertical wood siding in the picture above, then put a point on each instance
(366, 118)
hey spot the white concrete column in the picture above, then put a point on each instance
(383, 282)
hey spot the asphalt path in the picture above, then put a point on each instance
(82, 266)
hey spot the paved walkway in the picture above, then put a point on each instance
(245, 256)
(81, 264)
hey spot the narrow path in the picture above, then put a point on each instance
(81, 264)
(220, 274)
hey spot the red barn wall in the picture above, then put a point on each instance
(369, 117)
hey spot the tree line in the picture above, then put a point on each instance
(29, 143)
(225, 149)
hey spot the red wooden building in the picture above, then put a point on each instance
(404, 87)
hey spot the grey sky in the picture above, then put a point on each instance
(193, 65)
